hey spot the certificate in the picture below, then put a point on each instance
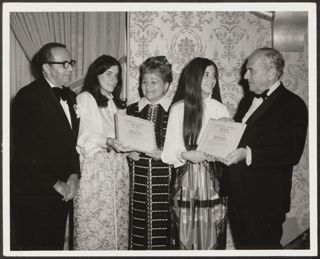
(221, 137)
(135, 132)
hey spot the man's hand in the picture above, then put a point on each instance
(73, 183)
(62, 188)
(235, 156)
(194, 156)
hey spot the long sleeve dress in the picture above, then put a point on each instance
(102, 202)
(199, 209)
(150, 183)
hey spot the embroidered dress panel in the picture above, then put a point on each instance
(150, 183)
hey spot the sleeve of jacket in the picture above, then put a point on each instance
(29, 142)
(74, 165)
(290, 141)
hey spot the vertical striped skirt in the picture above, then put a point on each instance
(149, 219)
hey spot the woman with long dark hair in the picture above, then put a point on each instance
(102, 202)
(199, 207)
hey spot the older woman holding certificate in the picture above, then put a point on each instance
(101, 206)
(150, 177)
(199, 207)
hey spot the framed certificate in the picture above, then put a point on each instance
(221, 137)
(135, 132)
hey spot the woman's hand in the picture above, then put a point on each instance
(117, 145)
(210, 158)
(155, 154)
(194, 156)
(133, 155)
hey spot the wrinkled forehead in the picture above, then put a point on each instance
(60, 54)
(254, 60)
(152, 70)
(153, 73)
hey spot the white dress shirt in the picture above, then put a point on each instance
(174, 143)
(164, 102)
(256, 102)
(63, 103)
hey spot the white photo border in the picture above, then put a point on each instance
(132, 7)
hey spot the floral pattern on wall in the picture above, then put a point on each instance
(227, 38)
(224, 37)
(296, 79)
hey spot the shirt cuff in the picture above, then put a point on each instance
(249, 156)
(181, 160)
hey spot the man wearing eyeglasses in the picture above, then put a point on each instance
(45, 164)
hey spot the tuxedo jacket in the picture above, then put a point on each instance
(43, 142)
(276, 134)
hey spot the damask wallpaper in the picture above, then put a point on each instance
(227, 38)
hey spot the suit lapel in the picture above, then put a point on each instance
(71, 101)
(243, 107)
(49, 97)
(265, 105)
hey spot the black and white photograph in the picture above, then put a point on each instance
(73, 187)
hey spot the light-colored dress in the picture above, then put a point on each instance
(102, 202)
(199, 208)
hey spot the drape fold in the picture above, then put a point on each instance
(87, 35)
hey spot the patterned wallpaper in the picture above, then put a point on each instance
(227, 38)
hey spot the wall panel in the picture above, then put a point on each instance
(227, 38)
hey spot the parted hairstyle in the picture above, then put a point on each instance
(271, 58)
(92, 85)
(157, 65)
(189, 90)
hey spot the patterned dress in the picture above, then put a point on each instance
(199, 208)
(101, 206)
(150, 180)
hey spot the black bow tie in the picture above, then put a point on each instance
(60, 93)
(262, 95)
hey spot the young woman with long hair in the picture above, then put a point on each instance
(102, 202)
(199, 207)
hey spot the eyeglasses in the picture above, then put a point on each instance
(65, 64)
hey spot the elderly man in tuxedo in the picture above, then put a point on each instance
(260, 172)
(45, 164)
